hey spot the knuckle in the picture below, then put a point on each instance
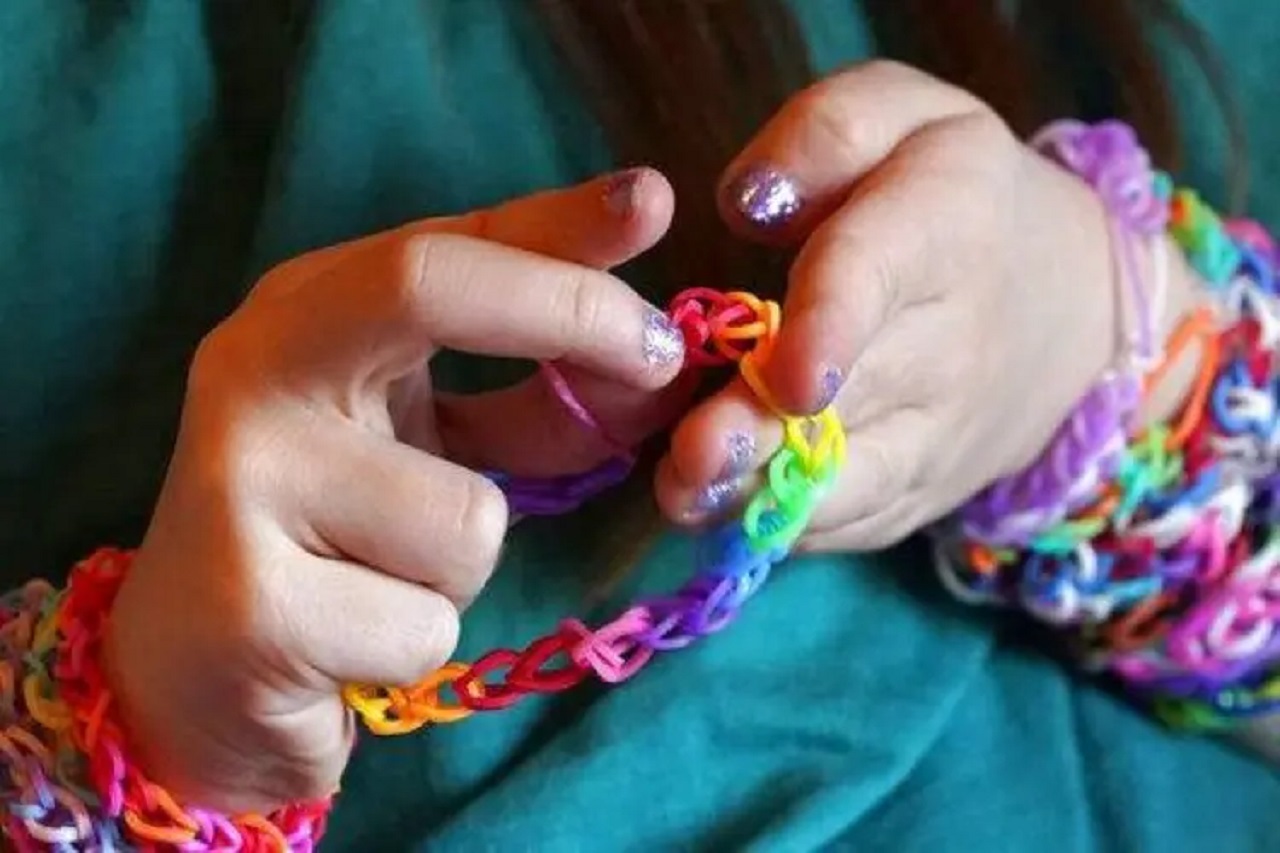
(226, 450)
(430, 641)
(429, 262)
(583, 308)
(877, 274)
(824, 111)
(482, 520)
(883, 469)
(214, 362)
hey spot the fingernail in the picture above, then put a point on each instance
(716, 495)
(620, 193)
(765, 197)
(831, 382)
(663, 343)
(741, 453)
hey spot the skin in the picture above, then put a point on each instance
(320, 523)
(942, 265)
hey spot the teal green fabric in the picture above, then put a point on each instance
(156, 156)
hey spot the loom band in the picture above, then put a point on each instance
(78, 830)
(716, 614)
(829, 447)
(564, 391)
(106, 774)
(749, 370)
(768, 529)
(972, 589)
(1068, 535)
(477, 694)
(14, 737)
(1166, 530)
(1145, 624)
(1234, 411)
(222, 834)
(787, 480)
(693, 613)
(47, 711)
(737, 322)
(612, 651)
(1247, 641)
(373, 702)
(268, 830)
(1197, 328)
(675, 617)
(985, 559)
(1255, 267)
(180, 832)
(1189, 716)
(724, 551)
(700, 296)
(532, 673)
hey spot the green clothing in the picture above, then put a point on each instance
(157, 155)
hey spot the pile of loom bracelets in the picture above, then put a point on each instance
(1159, 553)
(732, 561)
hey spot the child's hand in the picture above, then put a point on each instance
(954, 295)
(316, 527)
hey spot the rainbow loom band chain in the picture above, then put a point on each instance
(732, 561)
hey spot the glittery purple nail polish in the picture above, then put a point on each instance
(663, 343)
(765, 197)
(716, 495)
(741, 454)
(831, 382)
(620, 193)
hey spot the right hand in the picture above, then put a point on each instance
(318, 526)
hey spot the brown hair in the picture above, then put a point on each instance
(681, 84)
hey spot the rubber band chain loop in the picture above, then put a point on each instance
(733, 560)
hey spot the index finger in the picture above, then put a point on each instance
(384, 310)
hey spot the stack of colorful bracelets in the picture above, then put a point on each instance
(1155, 547)
(1152, 545)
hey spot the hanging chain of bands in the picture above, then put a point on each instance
(733, 561)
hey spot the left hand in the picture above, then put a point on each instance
(954, 296)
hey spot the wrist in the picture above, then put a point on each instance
(77, 784)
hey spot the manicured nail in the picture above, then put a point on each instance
(831, 383)
(663, 343)
(620, 193)
(765, 197)
(742, 452)
(741, 447)
(716, 495)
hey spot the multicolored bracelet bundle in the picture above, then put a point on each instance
(1157, 547)
(68, 783)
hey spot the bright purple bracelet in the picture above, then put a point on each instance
(1088, 446)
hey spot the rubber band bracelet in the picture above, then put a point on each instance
(1165, 568)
